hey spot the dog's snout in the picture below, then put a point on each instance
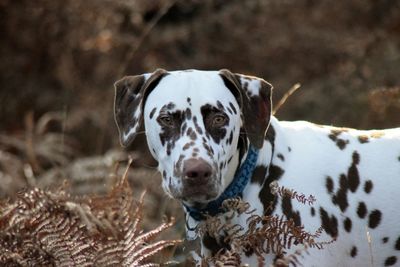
(197, 171)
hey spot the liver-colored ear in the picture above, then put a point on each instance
(254, 97)
(130, 95)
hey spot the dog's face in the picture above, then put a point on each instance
(193, 131)
(193, 122)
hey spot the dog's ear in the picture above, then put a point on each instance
(254, 97)
(130, 94)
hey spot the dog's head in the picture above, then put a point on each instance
(197, 125)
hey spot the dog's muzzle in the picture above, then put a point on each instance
(199, 182)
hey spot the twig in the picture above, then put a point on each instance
(29, 142)
(131, 53)
(30, 177)
(124, 177)
(370, 245)
(285, 97)
(64, 124)
(164, 10)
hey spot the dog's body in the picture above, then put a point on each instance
(200, 127)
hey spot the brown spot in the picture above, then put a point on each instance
(377, 134)
(352, 175)
(397, 245)
(270, 137)
(189, 100)
(347, 224)
(330, 224)
(188, 114)
(170, 133)
(189, 131)
(385, 240)
(230, 139)
(259, 174)
(391, 261)
(177, 167)
(193, 135)
(334, 133)
(341, 143)
(169, 148)
(152, 113)
(217, 133)
(374, 219)
(221, 165)
(266, 197)
(170, 106)
(368, 186)
(210, 151)
(340, 198)
(356, 157)
(186, 146)
(183, 128)
(233, 108)
(197, 126)
(312, 211)
(220, 106)
(353, 251)
(329, 184)
(257, 111)
(242, 145)
(361, 210)
(287, 210)
(363, 139)
(281, 157)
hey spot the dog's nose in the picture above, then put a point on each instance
(196, 171)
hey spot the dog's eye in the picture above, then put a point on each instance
(167, 120)
(218, 121)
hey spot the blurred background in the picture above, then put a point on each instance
(59, 60)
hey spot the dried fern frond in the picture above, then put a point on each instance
(282, 192)
(230, 258)
(42, 228)
(268, 234)
(38, 230)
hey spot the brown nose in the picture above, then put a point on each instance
(196, 171)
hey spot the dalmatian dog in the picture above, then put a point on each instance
(214, 137)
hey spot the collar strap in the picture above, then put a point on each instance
(234, 189)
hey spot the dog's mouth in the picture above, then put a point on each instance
(197, 195)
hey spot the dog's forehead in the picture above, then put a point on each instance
(192, 87)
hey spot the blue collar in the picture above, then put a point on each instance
(234, 189)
